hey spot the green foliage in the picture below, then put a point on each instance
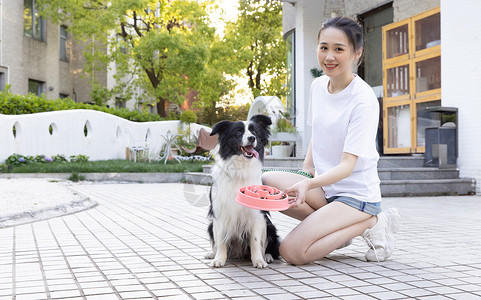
(79, 158)
(18, 159)
(15, 160)
(11, 104)
(105, 166)
(158, 46)
(188, 116)
(99, 94)
(75, 177)
(316, 72)
(284, 124)
(256, 39)
(233, 112)
(59, 158)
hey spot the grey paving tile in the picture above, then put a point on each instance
(145, 241)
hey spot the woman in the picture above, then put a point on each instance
(343, 199)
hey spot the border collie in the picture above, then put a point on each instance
(237, 232)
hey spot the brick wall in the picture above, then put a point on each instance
(407, 8)
(461, 68)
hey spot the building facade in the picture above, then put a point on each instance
(301, 22)
(39, 56)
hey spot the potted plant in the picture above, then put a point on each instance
(283, 134)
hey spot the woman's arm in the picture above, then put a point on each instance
(339, 172)
(308, 165)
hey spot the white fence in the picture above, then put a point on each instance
(99, 135)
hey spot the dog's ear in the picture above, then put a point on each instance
(261, 120)
(220, 127)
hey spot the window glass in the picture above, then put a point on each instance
(35, 87)
(2, 81)
(399, 126)
(398, 81)
(428, 74)
(290, 97)
(397, 41)
(428, 32)
(425, 120)
(63, 43)
(32, 21)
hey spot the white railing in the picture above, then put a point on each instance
(99, 135)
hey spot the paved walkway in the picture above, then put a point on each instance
(147, 241)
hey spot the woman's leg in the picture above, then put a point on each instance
(324, 231)
(315, 198)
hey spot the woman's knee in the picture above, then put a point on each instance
(267, 178)
(290, 253)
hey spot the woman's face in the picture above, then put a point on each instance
(336, 56)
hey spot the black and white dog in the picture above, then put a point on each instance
(236, 231)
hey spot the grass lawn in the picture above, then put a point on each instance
(111, 166)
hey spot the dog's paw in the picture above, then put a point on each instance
(260, 264)
(210, 255)
(269, 258)
(217, 263)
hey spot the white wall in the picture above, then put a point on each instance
(309, 18)
(461, 76)
(107, 137)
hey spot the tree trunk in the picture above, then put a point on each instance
(161, 107)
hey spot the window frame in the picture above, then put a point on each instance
(36, 20)
(40, 86)
(63, 38)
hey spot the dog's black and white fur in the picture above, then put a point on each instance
(236, 231)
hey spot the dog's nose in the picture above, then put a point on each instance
(251, 139)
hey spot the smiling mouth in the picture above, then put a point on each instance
(249, 151)
(330, 66)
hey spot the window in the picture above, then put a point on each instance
(35, 87)
(63, 43)
(2, 81)
(33, 24)
(290, 84)
(63, 96)
(119, 103)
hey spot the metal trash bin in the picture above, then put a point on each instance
(441, 143)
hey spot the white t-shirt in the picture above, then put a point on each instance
(346, 122)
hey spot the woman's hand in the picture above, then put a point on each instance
(299, 191)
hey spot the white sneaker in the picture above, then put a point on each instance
(345, 244)
(380, 238)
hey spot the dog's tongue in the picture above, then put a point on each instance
(250, 149)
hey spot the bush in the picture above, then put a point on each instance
(188, 116)
(11, 104)
(18, 159)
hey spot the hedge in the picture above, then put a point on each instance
(11, 104)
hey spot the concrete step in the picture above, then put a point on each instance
(433, 187)
(400, 162)
(384, 162)
(416, 173)
(283, 162)
(400, 176)
(198, 178)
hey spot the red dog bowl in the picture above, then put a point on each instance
(262, 197)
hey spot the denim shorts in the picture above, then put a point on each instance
(372, 208)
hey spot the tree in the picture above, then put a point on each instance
(157, 46)
(256, 38)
